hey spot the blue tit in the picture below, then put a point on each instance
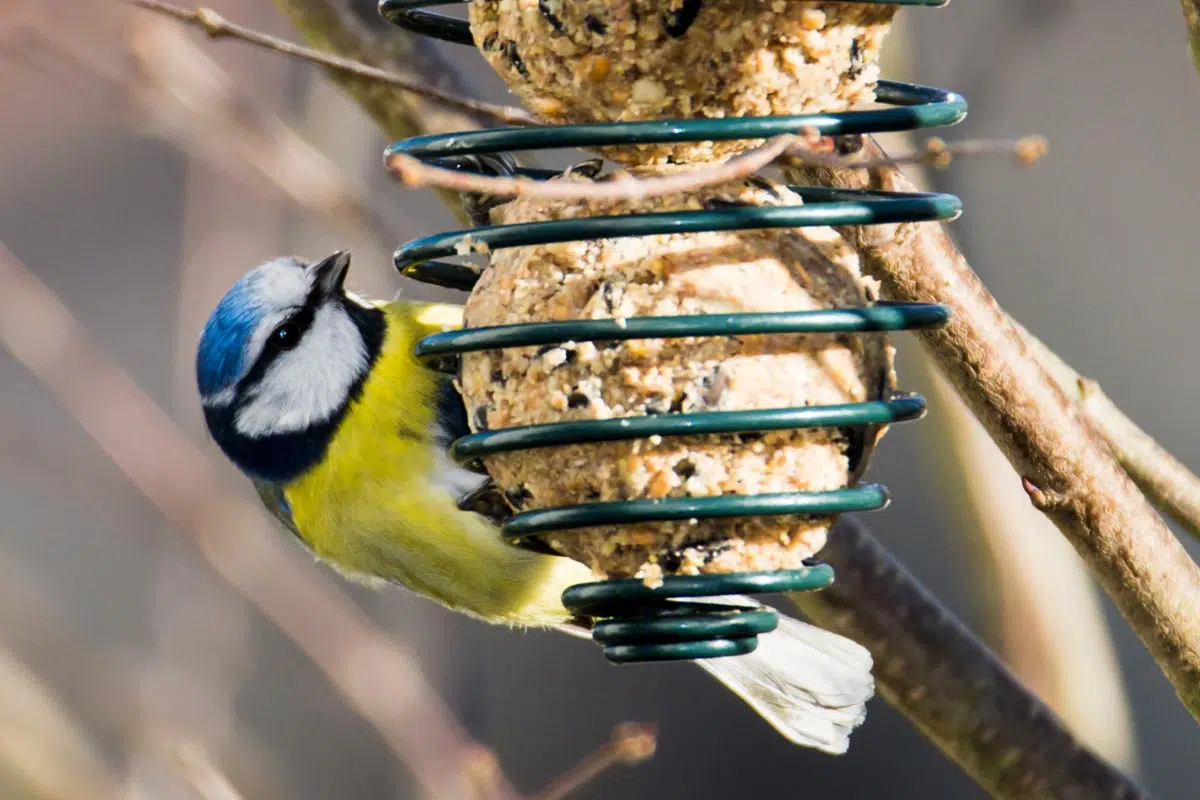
(315, 394)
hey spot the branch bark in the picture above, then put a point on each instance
(217, 27)
(934, 671)
(1069, 472)
(337, 28)
(1168, 483)
(1191, 15)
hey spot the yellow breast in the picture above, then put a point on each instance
(373, 507)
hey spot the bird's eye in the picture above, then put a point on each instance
(286, 336)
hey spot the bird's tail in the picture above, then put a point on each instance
(811, 685)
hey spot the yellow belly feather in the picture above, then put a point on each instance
(373, 509)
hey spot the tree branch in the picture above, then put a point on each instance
(334, 27)
(218, 27)
(934, 671)
(1191, 15)
(631, 743)
(1168, 482)
(1070, 474)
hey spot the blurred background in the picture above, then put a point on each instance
(143, 168)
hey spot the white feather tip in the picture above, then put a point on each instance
(811, 685)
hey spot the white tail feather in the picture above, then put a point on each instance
(811, 685)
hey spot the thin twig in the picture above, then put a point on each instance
(631, 743)
(190, 102)
(1168, 482)
(377, 677)
(933, 670)
(197, 768)
(100, 683)
(218, 27)
(341, 28)
(1069, 472)
(791, 149)
(46, 747)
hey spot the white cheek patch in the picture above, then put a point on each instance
(306, 386)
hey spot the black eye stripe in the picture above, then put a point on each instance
(301, 321)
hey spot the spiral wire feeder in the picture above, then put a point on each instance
(635, 622)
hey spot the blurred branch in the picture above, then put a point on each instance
(101, 684)
(193, 104)
(46, 752)
(631, 743)
(218, 27)
(197, 104)
(335, 26)
(198, 769)
(340, 27)
(1191, 15)
(1051, 625)
(934, 671)
(1068, 471)
(376, 677)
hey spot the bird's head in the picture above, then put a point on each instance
(279, 361)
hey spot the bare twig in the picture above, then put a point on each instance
(100, 684)
(1168, 482)
(198, 769)
(46, 750)
(337, 27)
(935, 672)
(196, 104)
(1191, 15)
(793, 149)
(376, 676)
(1069, 472)
(631, 743)
(218, 27)
(190, 102)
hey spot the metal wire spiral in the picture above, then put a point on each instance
(631, 620)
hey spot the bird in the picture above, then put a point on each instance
(314, 393)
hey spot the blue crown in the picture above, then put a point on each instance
(221, 356)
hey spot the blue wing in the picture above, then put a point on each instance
(272, 497)
(451, 414)
(487, 499)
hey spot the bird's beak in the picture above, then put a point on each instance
(330, 273)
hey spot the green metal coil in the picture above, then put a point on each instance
(635, 622)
